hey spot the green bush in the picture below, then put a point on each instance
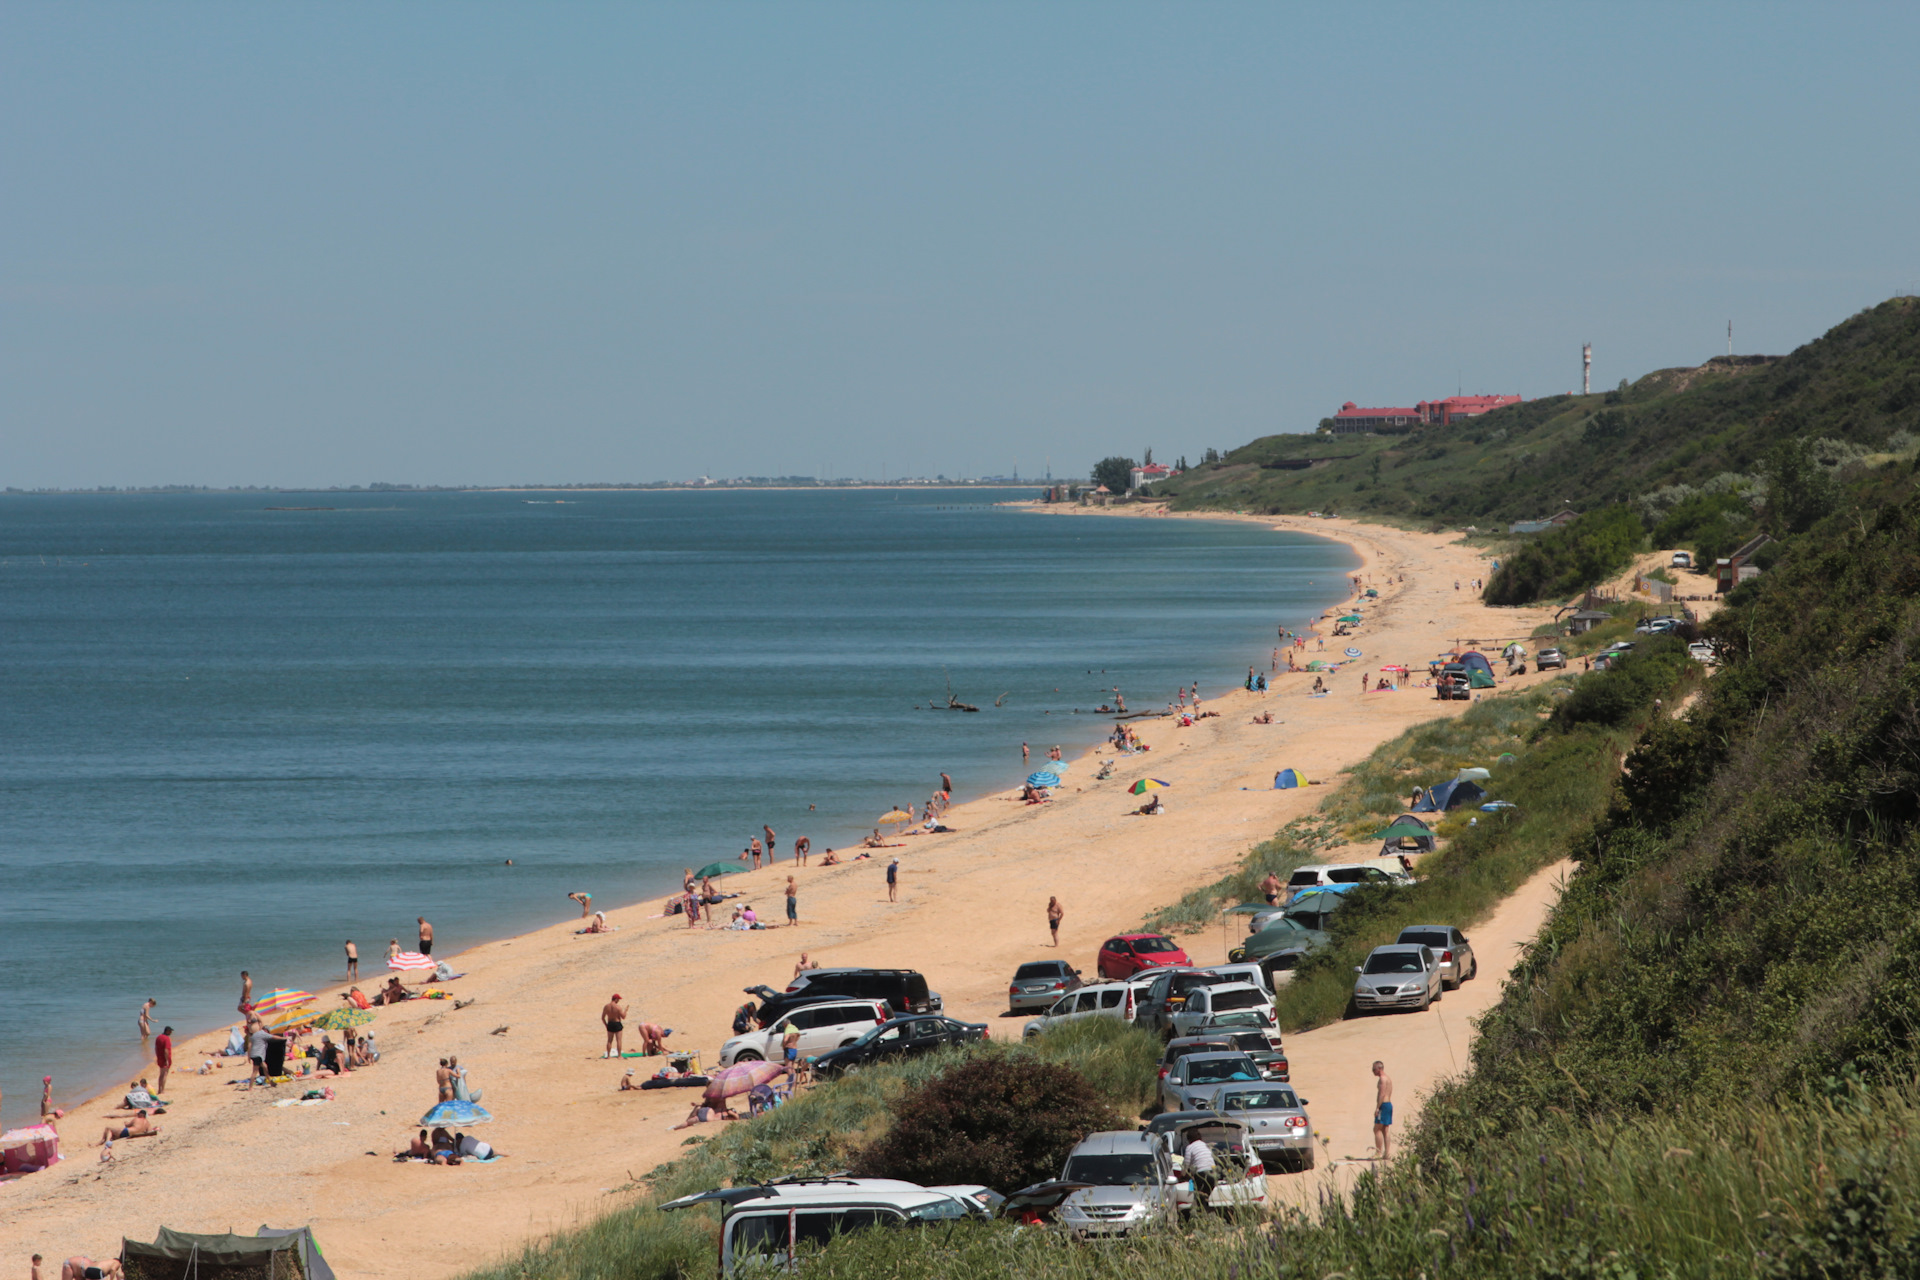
(1568, 559)
(994, 1120)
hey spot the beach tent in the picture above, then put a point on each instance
(1418, 832)
(1288, 779)
(1478, 679)
(311, 1262)
(29, 1150)
(1449, 795)
(217, 1257)
(1477, 661)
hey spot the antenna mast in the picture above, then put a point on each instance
(1729, 337)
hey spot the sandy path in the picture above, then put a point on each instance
(971, 909)
(1333, 1066)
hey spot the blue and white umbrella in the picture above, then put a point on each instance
(450, 1114)
(1351, 652)
(1043, 779)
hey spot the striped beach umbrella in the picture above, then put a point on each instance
(288, 1019)
(1044, 778)
(342, 1018)
(742, 1077)
(1145, 785)
(411, 960)
(281, 998)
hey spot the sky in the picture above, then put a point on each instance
(334, 244)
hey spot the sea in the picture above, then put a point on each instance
(239, 729)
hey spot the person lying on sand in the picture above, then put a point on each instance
(1152, 807)
(79, 1268)
(444, 1150)
(472, 1148)
(418, 1147)
(138, 1127)
(699, 1114)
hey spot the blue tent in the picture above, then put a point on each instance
(1449, 795)
(1287, 779)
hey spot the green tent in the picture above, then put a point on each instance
(292, 1256)
(1406, 831)
(1478, 679)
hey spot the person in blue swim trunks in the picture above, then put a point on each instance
(1382, 1112)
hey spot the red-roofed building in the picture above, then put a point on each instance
(1353, 420)
(1438, 413)
(1150, 472)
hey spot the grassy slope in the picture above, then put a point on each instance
(1858, 383)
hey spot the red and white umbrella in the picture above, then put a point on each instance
(410, 960)
(742, 1077)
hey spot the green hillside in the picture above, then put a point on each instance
(1855, 390)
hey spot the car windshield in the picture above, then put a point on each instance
(1304, 877)
(1110, 1171)
(1238, 999)
(1179, 1051)
(1425, 938)
(1259, 1100)
(1153, 946)
(1395, 962)
(1217, 1070)
(1245, 1018)
(888, 1032)
(1045, 969)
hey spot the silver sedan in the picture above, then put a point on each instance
(1396, 977)
(1192, 1081)
(1276, 1121)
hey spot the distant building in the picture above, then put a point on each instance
(1148, 473)
(1730, 571)
(1353, 419)
(1541, 526)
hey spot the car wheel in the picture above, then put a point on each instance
(746, 1055)
(1304, 1162)
(1473, 969)
(1353, 1008)
(851, 1069)
(845, 1043)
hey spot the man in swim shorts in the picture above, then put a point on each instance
(790, 1047)
(426, 935)
(138, 1127)
(614, 1014)
(1382, 1112)
(78, 1268)
(793, 902)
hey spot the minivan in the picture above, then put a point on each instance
(1132, 1184)
(1101, 1000)
(904, 991)
(768, 1225)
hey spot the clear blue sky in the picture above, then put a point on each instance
(338, 243)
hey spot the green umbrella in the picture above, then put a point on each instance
(342, 1018)
(716, 869)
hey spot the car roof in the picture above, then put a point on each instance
(1129, 937)
(1219, 987)
(1428, 926)
(1112, 1143)
(1215, 1057)
(1394, 948)
(1168, 1120)
(888, 1191)
(1181, 1042)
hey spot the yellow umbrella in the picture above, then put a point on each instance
(896, 815)
(287, 1019)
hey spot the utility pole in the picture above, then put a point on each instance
(1586, 368)
(1729, 337)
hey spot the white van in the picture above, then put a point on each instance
(831, 1024)
(775, 1224)
(1326, 873)
(1101, 1000)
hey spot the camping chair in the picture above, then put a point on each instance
(761, 1099)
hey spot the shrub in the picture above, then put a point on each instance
(998, 1121)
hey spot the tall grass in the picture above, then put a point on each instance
(814, 1134)
(1817, 1188)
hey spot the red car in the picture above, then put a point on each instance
(1128, 954)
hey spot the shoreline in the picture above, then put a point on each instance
(572, 1138)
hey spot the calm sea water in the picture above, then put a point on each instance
(232, 737)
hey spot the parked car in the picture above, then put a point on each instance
(1279, 947)
(1656, 626)
(1276, 1120)
(1203, 1002)
(1453, 683)
(1192, 1081)
(763, 1226)
(1701, 651)
(1457, 962)
(1129, 1181)
(1682, 560)
(1253, 1033)
(904, 991)
(1245, 971)
(1186, 1046)
(1239, 1179)
(1161, 994)
(1128, 953)
(1101, 1000)
(1550, 658)
(1038, 984)
(1332, 875)
(831, 1024)
(1396, 977)
(898, 1038)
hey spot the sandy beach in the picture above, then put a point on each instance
(971, 909)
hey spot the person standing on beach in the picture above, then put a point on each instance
(146, 1017)
(586, 902)
(246, 992)
(1270, 889)
(163, 1058)
(1055, 913)
(443, 1081)
(801, 848)
(257, 1054)
(353, 962)
(773, 850)
(426, 935)
(1382, 1113)
(614, 1015)
(893, 881)
(793, 903)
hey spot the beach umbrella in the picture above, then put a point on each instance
(1145, 785)
(895, 815)
(1351, 652)
(716, 869)
(1044, 778)
(1320, 664)
(411, 960)
(1395, 666)
(455, 1113)
(288, 1019)
(742, 1077)
(342, 1018)
(281, 998)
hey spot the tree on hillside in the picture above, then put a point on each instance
(1116, 473)
(1798, 491)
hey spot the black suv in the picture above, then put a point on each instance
(904, 991)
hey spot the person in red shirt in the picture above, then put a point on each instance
(163, 1058)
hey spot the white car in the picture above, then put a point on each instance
(831, 1024)
(1248, 972)
(1203, 1003)
(1701, 651)
(1101, 1000)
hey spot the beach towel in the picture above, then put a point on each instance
(698, 1082)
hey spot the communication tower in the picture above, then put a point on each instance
(1586, 368)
